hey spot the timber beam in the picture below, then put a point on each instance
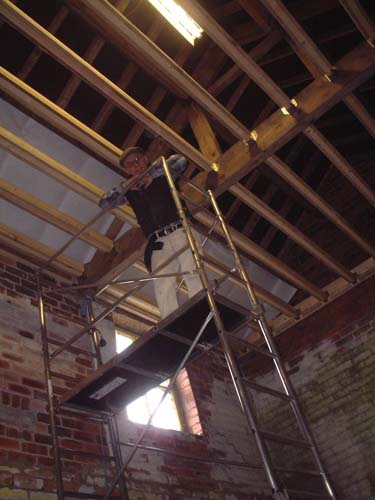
(53, 216)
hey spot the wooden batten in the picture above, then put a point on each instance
(317, 201)
(57, 171)
(336, 288)
(38, 252)
(53, 216)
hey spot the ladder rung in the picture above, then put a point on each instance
(306, 472)
(273, 392)
(251, 346)
(271, 436)
(309, 494)
(90, 496)
(107, 458)
(146, 373)
(75, 350)
(65, 377)
(182, 340)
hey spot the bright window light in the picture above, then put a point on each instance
(140, 410)
(179, 19)
(122, 342)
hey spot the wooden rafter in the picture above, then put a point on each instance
(338, 287)
(317, 201)
(126, 77)
(56, 170)
(53, 216)
(360, 18)
(38, 251)
(318, 65)
(234, 166)
(155, 100)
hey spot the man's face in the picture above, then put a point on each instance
(135, 164)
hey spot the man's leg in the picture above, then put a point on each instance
(186, 260)
(165, 288)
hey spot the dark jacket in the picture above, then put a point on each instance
(153, 206)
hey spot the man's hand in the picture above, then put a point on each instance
(112, 199)
(141, 184)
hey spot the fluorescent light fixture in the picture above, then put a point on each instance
(179, 19)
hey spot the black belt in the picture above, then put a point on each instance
(153, 244)
(166, 230)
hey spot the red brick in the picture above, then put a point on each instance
(5, 397)
(14, 270)
(12, 433)
(45, 462)
(43, 439)
(18, 459)
(16, 400)
(33, 383)
(35, 449)
(20, 389)
(13, 357)
(25, 403)
(24, 291)
(12, 444)
(10, 277)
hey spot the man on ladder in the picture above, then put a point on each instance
(157, 216)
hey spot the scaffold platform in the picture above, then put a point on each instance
(156, 355)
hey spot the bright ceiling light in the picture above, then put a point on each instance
(178, 18)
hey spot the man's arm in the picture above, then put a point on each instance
(177, 165)
(113, 198)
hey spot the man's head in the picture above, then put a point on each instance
(134, 161)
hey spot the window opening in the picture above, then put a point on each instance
(140, 410)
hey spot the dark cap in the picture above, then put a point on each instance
(129, 151)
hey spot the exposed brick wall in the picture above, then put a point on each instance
(26, 464)
(330, 357)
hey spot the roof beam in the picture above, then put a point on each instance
(317, 64)
(124, 34)
(300, 37)
(313, 101)
(124, 81)
(340, 163)
(203, 133)
(208, 145)
(260, 255)
(90, 55)
(360, 112)
(56, 118)
(292, 232)
(94, 78)
(335, 289)
(297, 183)
(155, 100)
(235, 52)
(53, 216)
(35, 54)
(57, 171)
(38, 251)
(360, 18)
(235, 71)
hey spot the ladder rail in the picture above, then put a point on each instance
(258, 312)
(229, 356)
(57, 450)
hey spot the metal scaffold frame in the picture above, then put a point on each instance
(239, 381)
